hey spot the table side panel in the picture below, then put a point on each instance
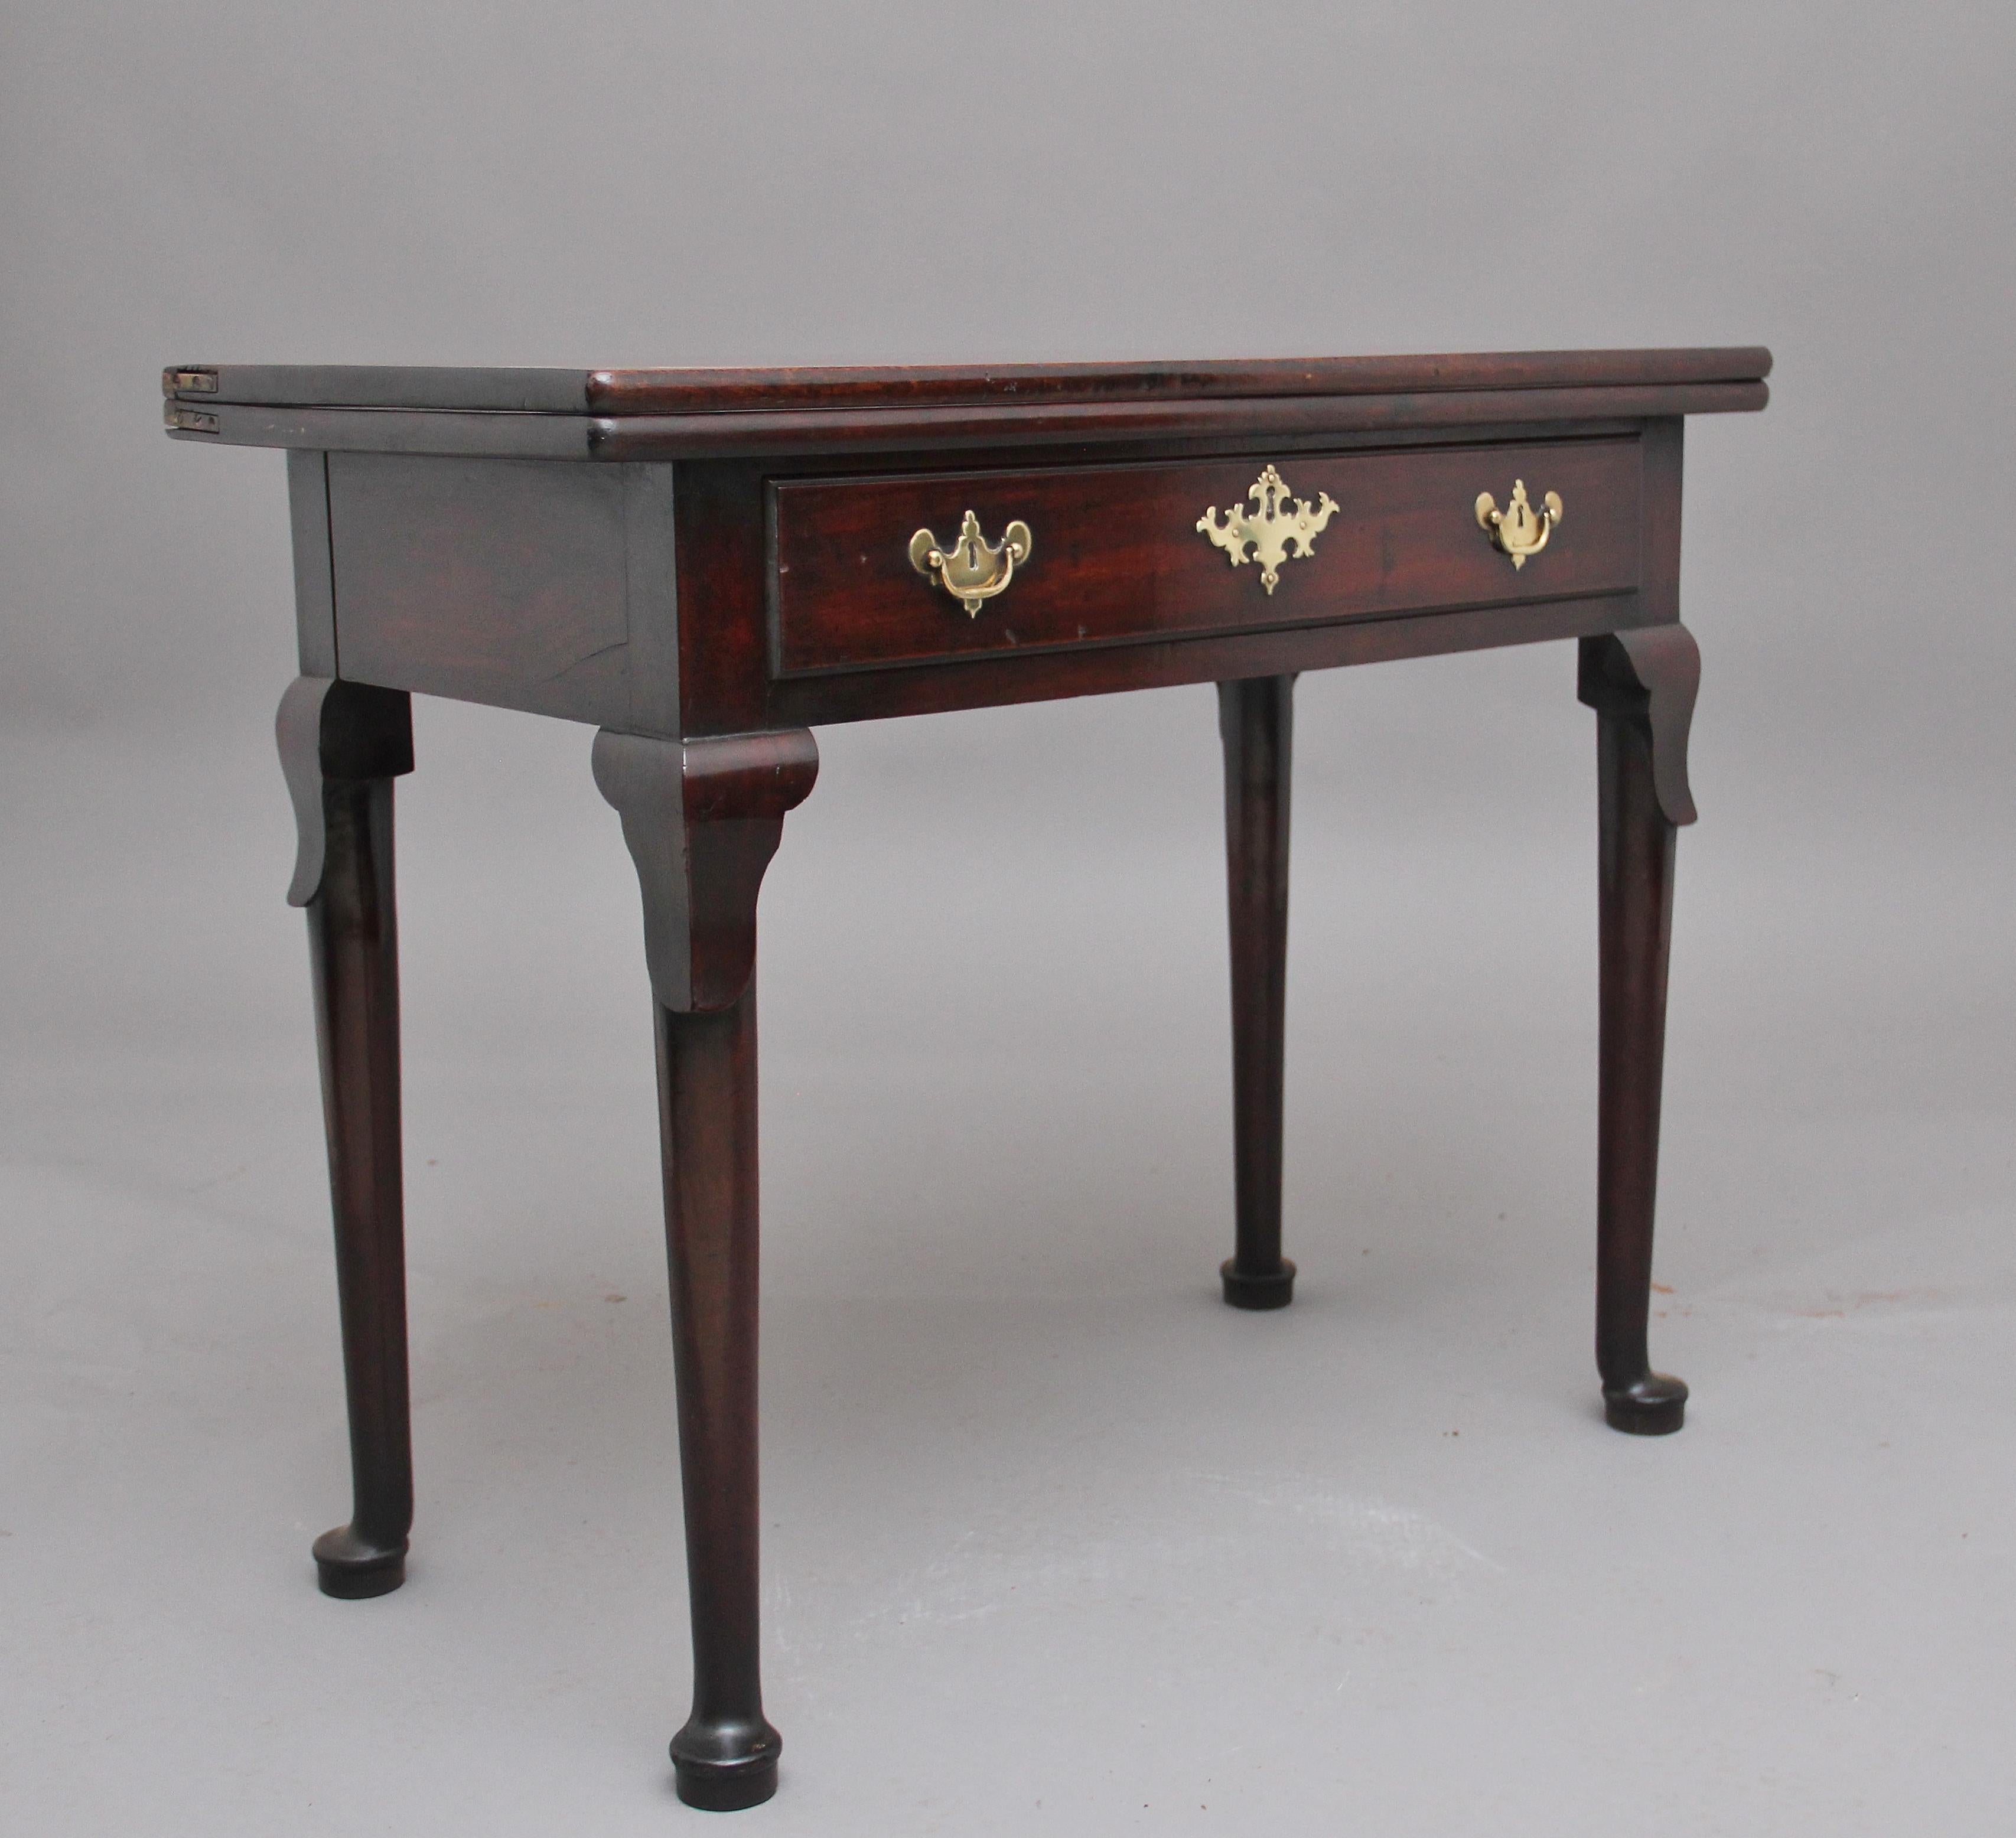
(723, 565)
(314, 581)
(1660, 570)
(651, 569)
(555, 588)
(1117, 554)
(514, 582)
(1040, 676)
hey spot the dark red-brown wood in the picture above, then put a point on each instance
(465, 577)
(788, 438)
(725, 1757)
(871, 388)
(665, 392)
(997, 679)
(704, 565)
(341, 746)
(1642, 692)
(540, 548)
(507, 582)
(728, 684)
(1256, 726)
(618, 415)
(702, 820)
(1116, 553)
(782, 438)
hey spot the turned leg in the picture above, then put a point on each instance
(341, 745)
(1256, 721)
(727, 1755)
(702, 820)
(1642, 686)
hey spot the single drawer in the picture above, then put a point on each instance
(1116, 554)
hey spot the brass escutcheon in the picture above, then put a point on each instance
(1515, 530)
(970, 570)
(1275, 532)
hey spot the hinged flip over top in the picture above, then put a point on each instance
(675, 413)
(798, 548)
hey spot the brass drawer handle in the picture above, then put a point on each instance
(1515, 530)
(970, 570)
(1276, 533)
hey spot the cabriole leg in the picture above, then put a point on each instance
(702, 819)
(1642, 685)
(341, 745)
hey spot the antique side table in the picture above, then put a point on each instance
(707, 564)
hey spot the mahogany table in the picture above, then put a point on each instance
(707, 564)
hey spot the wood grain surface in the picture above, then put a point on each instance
(1118, 554)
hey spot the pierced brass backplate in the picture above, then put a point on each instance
(968, 569)
(1516, 530)
(1275, 532)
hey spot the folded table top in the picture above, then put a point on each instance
(728, 391)
(657, 414)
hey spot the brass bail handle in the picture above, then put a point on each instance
(968, 568)
(1518, 530)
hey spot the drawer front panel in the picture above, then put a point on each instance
(1116, 554)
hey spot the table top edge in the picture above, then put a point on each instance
(822, 389)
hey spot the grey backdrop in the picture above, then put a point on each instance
(1055, 1542)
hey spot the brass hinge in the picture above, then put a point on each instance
(189, 382)
(181, 418)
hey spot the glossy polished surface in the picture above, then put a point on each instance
(1017, 1450)
(668, 604)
